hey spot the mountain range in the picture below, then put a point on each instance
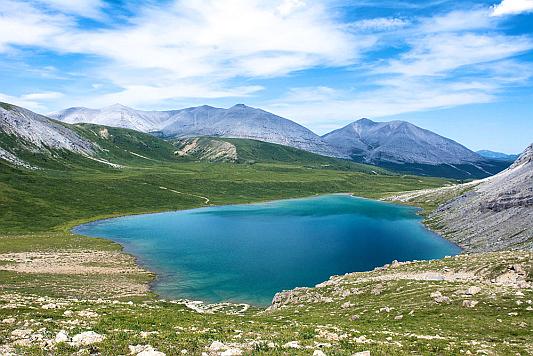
(239, 121)
(396, 145)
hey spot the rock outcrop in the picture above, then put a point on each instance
(207, 149)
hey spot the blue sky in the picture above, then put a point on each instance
(463, 69)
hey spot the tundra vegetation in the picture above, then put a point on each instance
(63, 294)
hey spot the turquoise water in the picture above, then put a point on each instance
(247, 253)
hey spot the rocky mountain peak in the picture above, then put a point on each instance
(364, 121)
(239, 106)
(524, 158)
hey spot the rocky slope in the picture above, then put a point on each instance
(36, 133)
(492, 214)
(206, 149)
(497, 214)
(239, 121)
(399, 142)
(30, 140)
(41, 132)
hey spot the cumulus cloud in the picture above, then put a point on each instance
(512, 7)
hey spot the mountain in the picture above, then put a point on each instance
(116, 116)
(496, 214)
(35, 141)
(405, 147)
(239, 121)
(497, 155)
(23, 131)
(397, 142)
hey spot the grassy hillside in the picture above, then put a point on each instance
(46, 199)
(254, 151)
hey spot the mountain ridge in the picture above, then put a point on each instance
(238, 121)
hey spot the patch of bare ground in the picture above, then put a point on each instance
(109, 272)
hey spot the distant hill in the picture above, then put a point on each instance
(497, 155)
(402, 146)
(396, 145)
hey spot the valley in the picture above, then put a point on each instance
(64, 293)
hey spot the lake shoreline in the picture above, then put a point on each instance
(157, 274)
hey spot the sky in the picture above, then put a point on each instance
(463, 69)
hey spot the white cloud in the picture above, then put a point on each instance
(216, 49)
(512, 7)
(48, 95)
(380, 23)
(32, 101)
(145, 95)
(25, 25)
(206, 42)
(437, 54)
(288, 6)
(451, 62)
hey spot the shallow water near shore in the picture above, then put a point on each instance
(247, 253)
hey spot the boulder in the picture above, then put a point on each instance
(217, 346)
(469, 303)
(87, 338)
(61, 336)
(473, 290)
(292, 345)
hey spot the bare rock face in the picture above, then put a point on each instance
(397, 142)
(41, 132)
(207, 149)
(36, 133)
(496, 214)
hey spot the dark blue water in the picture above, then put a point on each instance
(246, 253)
